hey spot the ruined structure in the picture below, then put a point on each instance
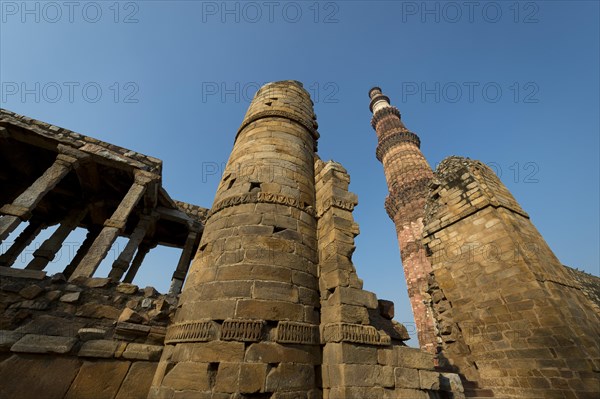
(507, 314)
(272, 306)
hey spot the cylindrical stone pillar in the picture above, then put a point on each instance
(34, 227)
(408, 175)
(248, 316)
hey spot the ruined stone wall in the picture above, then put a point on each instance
(89, 338)
(510, 316)
(363, 351)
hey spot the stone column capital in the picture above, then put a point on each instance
(144, 178)
(71, 157)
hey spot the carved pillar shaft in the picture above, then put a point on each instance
(112, 227)
(122, 263)
(20, 209)
(22, 241)
(85, 246)
(47, 251)
(183, 265)
(141, 253)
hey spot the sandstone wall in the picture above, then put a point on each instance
(510, 316)
(89, 338)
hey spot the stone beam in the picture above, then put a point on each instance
(113, 226)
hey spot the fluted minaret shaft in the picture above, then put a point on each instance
(251, 294)
(407, 174)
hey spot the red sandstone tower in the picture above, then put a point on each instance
(407, 174)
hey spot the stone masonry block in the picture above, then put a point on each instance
(188, 376)
(33, 343)
(270, 352)
(407, 378)
(215, 351)
(252, 377)
(413, 358)
(429, 380)
(337, 353)
(98, 348)
(269, 310)
(345, 314)
(353, 296)
(290, 376)
(143, 352)
(98, 380)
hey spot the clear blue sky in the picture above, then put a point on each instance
(514, 84)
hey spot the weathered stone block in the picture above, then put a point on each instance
(228, 378)
(52, 325)
(143, 352)
(32, 343)
(290, 376)
(429, 380)
(270, 352)
(31, 291)
(34, 377)
(98, 380)
(272, 290)
(23, 273)
(71, 297)
(208, 352)
(130, 316)
(407, 378)
(252, 377)
(344, 314)
(400, 393)
(188, 376)
(353, 296)
(386, 309)
(98, 348)
(337, 353)
(98, 311)
(269, 310)
(412, 358)
(97, 282)
(137, 382)
(126, 288)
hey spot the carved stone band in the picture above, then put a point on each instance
(289, 332)
(336, 203)
(358, 333)
(261, 197)
(195, 331)
(242, 330)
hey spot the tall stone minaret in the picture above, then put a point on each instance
(248, 317)
(408, 175)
